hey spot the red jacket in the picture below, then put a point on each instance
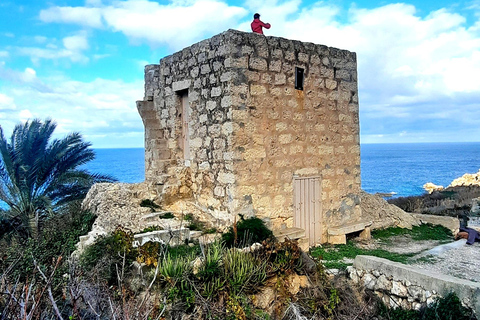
(257, 26)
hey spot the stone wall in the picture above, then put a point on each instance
(281, 132)
(400, 285)
(249, 131)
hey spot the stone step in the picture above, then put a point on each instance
(290, 233)
(171, 237)
(166, 223)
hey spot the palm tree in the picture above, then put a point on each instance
(39, 177)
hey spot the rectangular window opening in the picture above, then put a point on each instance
(299, 78)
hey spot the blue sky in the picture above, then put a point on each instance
(81, 62)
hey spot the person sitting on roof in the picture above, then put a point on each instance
(257, 24)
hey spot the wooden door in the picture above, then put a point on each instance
(308, 207)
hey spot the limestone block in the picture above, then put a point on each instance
(211, 105)
(337, 239)
(296, 149)
(259, 64)
(383, 283)
(219, 191)
(196, 143)
(365, 234)
(399, 289)
(226, 177)
(217, 65)
(285, 138)
(172, 237)
(205, 69)
(276, 91)
(266, 78)
(227, 76)
(325, 150)
(226, 102)
(369, 281)
(254, 153)
(227, 128)
(216, 91)
(276, 66)
(257, 90)
(417, 293)
(343, 75)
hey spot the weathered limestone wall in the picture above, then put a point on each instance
(400, 285)
(250, 131)
(202, 71)
(281, 132)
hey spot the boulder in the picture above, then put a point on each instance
(383, 214)
(431, 187)
(467, 179)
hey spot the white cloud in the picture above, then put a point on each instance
(417, 73)
(25, 115)
(410, 67)
(6, 103)
(40, 39)
(4, 54)
(76, 43)
(100, 108)
(90, 17)
(72, 48)
(177, 24)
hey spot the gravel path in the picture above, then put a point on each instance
(456, 259)
(462, 262)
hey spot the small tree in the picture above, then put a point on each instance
(39, 177)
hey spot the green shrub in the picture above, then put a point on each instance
(149, 253)
(147, 203)
(109, 254)
(243, 272)
(151, 228)
(166, 215)
(176, 272)
(58, 239)
(212, 259)
(447, 308)
(247, 232)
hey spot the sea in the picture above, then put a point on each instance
(399, 169)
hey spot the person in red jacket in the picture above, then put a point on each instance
(257, 24)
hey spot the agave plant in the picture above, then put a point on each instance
(39, 176)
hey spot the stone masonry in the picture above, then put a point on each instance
(246, 132)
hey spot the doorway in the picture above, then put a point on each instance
(307, 196)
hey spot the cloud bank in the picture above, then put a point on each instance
(418, 73)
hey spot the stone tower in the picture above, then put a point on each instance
(246, 124)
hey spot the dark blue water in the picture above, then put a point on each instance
(405, 168)
(399, 168)
(126, 165)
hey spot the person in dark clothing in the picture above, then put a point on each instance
(470, 234)
(257, 24)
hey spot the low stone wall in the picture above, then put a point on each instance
(451, 223)
(400, 285)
